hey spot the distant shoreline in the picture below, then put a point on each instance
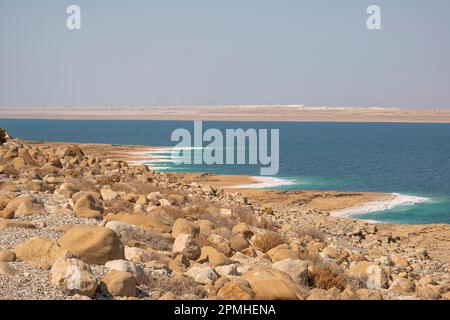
(281, 113)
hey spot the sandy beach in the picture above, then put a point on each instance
(296, 113)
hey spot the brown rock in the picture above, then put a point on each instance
(73, 276)
(179, 264)
(4, 199)
(243, 229)
(182, 225)
(94, 245)
(7, 213)
(359, 270)
(88, 206)
(7, 255)
(238, 242)
(9, 224)
(119, 284)
(18, 163)
(206, 226)
(233, 291)
(400, 261)
(24, 205)
(271, 284)
(281, 252)
(213, 256)
(40, 252)
(185, 244)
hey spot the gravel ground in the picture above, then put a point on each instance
(47, 226)
(29, 283)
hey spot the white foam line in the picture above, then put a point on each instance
(376, 206)
(265, 182)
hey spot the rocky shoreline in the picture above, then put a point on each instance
(79, 222)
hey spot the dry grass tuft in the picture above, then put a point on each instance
(244, 215)
(174, 212)
(179, 285)
(324, 276)
(119, 205)
(268, 240)
(310, 231)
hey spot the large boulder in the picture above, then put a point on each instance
(148, 222)
(88, 206)
(25, 205)
(73, 276)
(40, 252)
(119, 284)
(271, 284)
(186, 245)
(94, 245)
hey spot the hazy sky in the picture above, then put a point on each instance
(196, 52)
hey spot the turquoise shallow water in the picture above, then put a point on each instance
(410, 159)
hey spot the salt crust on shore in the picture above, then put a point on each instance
(376, 206)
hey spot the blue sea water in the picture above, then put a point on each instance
(410, 159)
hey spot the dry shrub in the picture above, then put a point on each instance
(174, 212)
(307, 256)
(267, 224)
(268, 240)
(143, 188)
(119, 205)
(324, 276)
(244, 215)
(201, 209)
(219, 221)
(179, 285)
(311, 231)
